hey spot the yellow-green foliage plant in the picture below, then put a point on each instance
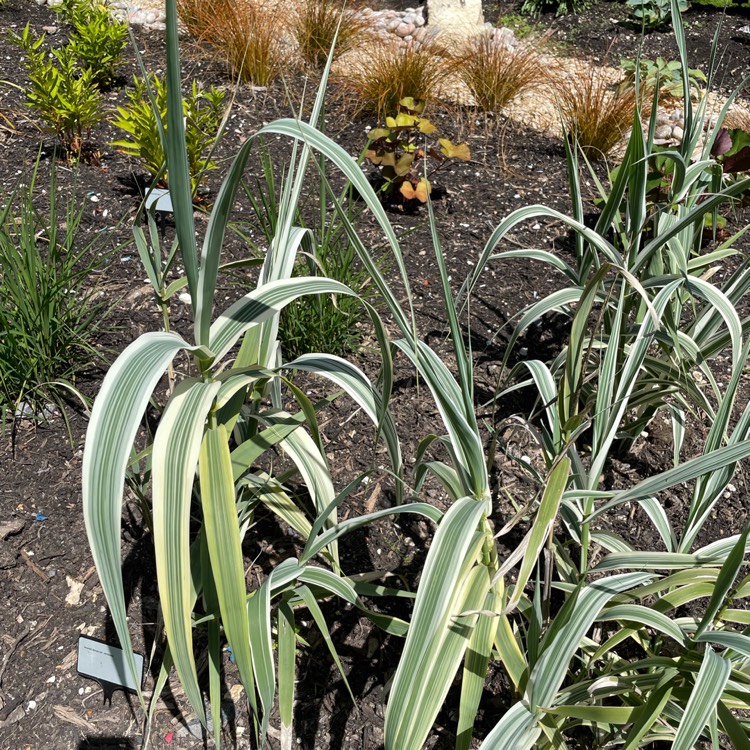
(203, 111)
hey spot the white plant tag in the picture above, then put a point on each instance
(106, 664)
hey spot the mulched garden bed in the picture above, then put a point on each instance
(49, 592)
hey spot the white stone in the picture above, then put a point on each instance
(663, 132)
(462, 18)
(677, 132)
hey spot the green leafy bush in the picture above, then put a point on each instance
(61, 92)
(203, 111)
(654, 14)
(662, 75)
(97, 40)
(49, 314)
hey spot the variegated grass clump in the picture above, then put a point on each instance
(562, 628)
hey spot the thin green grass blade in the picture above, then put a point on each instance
(180, 190)
(649, 713)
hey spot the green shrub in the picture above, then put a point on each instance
(97, 40)
(203, 111)
(49, 314)
(654, 14)
(662, 75)
(64, 94)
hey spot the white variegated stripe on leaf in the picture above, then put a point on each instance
(176, 451)
(263, 303)
(115, 420)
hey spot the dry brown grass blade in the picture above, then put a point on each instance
(496, 72)
(738, 118)
(594, 108)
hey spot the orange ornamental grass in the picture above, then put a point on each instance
(316, 23)
(386, 73)
(496, 72)
(595, 110)
(245, 33)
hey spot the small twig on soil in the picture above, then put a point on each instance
(33, 565)
(12, 650)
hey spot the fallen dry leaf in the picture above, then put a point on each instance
(73, 599)
(69, 715)
(9, 528)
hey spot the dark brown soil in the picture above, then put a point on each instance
(49, 590)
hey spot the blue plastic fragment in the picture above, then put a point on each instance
(40, 516)
(231, 655)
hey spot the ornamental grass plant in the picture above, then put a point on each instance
(317, 23)
(50, 315)
(247, 35)
(590, 632)
(594, 109)
(496, 73)
(386, 73)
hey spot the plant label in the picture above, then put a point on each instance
(160, 199)
(106, 664)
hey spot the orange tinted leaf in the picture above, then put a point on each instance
(421, 192)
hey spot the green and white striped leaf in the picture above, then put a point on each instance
(706, 693)
(549, 672)
(115, 420)
(432, 648)
(177, 446)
